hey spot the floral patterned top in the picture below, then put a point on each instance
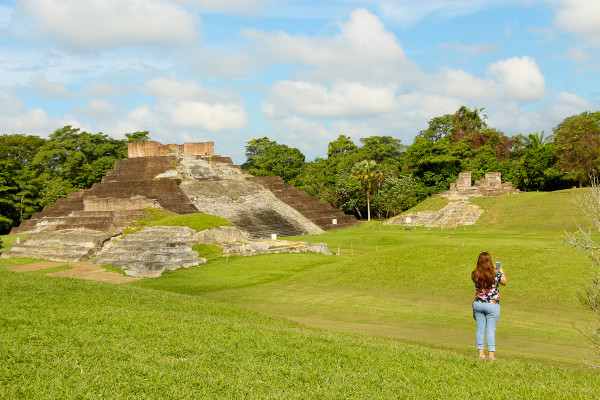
(492, 294)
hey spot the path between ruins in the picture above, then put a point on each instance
(79, 270)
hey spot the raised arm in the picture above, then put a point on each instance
(503, 280)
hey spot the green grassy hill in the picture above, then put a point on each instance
(230, 329)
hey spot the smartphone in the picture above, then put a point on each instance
(498, 265)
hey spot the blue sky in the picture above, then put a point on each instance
(298, 72)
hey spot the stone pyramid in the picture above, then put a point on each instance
(186, 178)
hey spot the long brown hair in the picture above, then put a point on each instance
(483, 275)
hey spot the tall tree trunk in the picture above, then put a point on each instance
(368, 206)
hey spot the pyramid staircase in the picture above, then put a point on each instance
(124, 192)
(320, 213)
(131, 178)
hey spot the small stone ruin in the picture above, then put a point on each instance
(455, 213)
(490, 186)
(184, 179)
(461, 212)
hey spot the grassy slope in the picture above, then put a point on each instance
(65, 338)
(56, 342)
(417, 287)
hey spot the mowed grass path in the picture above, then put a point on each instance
(415, 284)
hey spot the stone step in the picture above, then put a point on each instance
(150, 256)
(151, 251)
(43, 250)
(69, 245)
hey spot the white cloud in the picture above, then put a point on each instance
(16, 118)
(99, 109)
(346, 99)
(574, 100)
(458, 83)
(169, 88)
(199, 115)
(234, 6)
(188, 104)
(51, 89)
(520, 78)
(142, 118)
(363, 50)
(98, 24)
(581, 17)
(309, 137)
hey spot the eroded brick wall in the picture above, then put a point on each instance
(150, 148)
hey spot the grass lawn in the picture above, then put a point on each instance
(393, 320)
(64, 338)
(414, 285)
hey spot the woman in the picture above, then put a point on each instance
(486, 306)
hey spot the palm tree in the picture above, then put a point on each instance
(537, 141)
(367, 173)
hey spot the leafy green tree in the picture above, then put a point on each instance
(577, 141)
(438, 128)
(320, 177)
(18, 184)
(79, 158)
(35, 172)
(434, 164)
(537, 169)
(381, 149)
(369, 176)
(268, 158)
(465, 122)
(140, 136)
(9, 211)
(535, 141)
(341, 147)
(398, 194)
(348, 194)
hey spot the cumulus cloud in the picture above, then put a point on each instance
(199, 115)
(576, 101)
(169, 88)
(99, 24)
(346, 99)
(188, 104)
(520, 78)
(99, 109)
(51, 89)
(235, 6)
(363, 50)
(460, 84)
(16, 118)
(580, 17)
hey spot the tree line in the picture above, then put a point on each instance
(378, 177)
(34, 171)
(382, 177)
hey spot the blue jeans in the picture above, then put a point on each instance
(486, 315)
